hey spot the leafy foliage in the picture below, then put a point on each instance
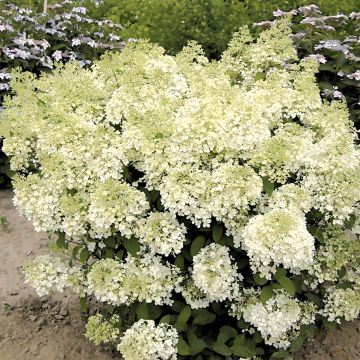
(211, 23)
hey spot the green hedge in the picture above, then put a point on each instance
(172, 23)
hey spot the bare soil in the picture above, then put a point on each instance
(51, 328)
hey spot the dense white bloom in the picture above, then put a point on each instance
(342, 304)
(278, 320)
(105, 279)
(137, 279)
(38, 199)
(332, 172)
(215, 273)
(146, 341)
(115, 203)
(193, 296)
(339, 249)
(278, 237)
(283, 154)
(98, 330)
(148, 279)
(225, 192)
(161, 233)
(292, 197)
(45, 274)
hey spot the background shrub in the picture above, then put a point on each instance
(172, 23)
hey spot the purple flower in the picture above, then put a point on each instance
(319, 58)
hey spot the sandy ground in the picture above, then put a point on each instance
(52, 329)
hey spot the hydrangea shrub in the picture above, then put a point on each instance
(37, 42)
(211, 206)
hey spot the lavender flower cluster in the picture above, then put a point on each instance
(334, 41)
(35, 42)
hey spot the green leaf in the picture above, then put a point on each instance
(83, 305)
(120, 254)
(281, 354)
(154, 194)
(330, 325)
(142, 311)
(260, 280)
(226, 241)
(109, 254)
(180, 326)
(154, 311)
(110, 243)
(257, 337)
(132, 245)
(242, 351)
(180, 262)
(226, 333)
(239, 340)
(197, 345)
(341, 272)
(268, 185)
(217, 232)
(259, 76)
(242, 324)
(84, 255)
(75, 251)
(204, 317)
(315, 299)
(196, 245)
(158, 135)
(266, 294)
(243, 262)
(177, 306)
(286, 284)
(222, 349)
(159, 205)
(184, 314)
(297, 344)
(216, 307)
(183, 347)
(60, 242)
(349, 223)
(280, 272)
(168, 319)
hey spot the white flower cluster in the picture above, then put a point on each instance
(215, 273)
(161, 233)
(292, 197)
(342, 304)
(193, 296)
(146, 341)
(117, 204)
(278, 319)
(98, 330)
(283, 154)
(45, 274)
(340, 249)
(279, 237)
(136, 279)
(225, 193)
